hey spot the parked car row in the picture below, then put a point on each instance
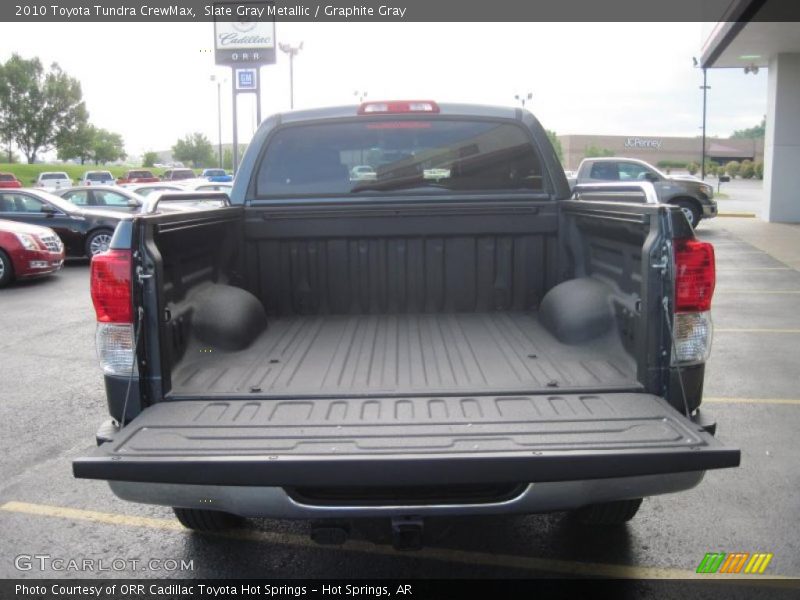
(28, 251)
(39, 228)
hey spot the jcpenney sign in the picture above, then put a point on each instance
(637, 142)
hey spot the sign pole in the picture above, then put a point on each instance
(235, 149)
(258, 97)
(244, 46)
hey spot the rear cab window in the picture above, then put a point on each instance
(392, 156)
(99, 176)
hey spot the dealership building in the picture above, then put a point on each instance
(654, 149)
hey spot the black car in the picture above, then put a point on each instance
(85, 232)
(103, 197)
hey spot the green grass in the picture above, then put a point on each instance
(27, 174)
(721, 196)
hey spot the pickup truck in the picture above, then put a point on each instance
(692, 196)
(52, 180)
(456, 336)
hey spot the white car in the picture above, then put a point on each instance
(53, 180)
(97, 178)
(363, 173)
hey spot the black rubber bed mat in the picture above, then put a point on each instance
(406, 441)
(387, 354)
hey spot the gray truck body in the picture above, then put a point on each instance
(417, 352)
(694, 197)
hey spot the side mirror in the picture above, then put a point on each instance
(652, 177)
(134, 203)
(49, 210)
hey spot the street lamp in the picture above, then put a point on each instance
(292, 51)
(219, 81)
(360, 95)
(522, 98)
(705, 87)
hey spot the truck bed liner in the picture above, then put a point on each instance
(333, 355)
(405, 441)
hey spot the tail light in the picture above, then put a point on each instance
(695, 279)
(111, 296)
(398, 107)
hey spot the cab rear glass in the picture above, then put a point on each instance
(395, 156)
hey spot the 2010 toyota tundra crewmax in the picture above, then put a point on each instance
(458, 334)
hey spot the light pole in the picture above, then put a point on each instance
(523, 98)
(705, 87)
(360, 95)
(292, 51)
(219, 116)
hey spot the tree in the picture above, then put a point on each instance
(37, 106)
(551, 135)
(756, 132)
(692, 167)
(593, 151)
(747, 170)
(107, 147)
(732, 168)
(195, 148)
(759, 169)
(76, 143)
(227, 156)
(149, 159)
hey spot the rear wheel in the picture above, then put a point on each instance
(608, 513)
(98, 242)
(206, 520)
(6, 269)
(690, 210)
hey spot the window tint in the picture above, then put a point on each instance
(390, 155)
(54, 176)
(605, 171)
(78, 197)
(20, 203)
(99, 176)
(105, 198)
(7, 177)
(632, 172)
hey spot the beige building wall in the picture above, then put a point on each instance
(653, 149)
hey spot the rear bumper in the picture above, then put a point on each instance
(275, 502)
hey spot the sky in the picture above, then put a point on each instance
(150, 82)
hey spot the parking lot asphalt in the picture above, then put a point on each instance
(52, 399)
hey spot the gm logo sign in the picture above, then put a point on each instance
(735, 562)
(246, 79)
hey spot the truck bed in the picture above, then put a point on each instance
(398, 354)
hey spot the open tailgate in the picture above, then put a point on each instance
(406, 441)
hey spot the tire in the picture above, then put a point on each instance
(6, 269)
(691, 211)
(206, 520)
(98, 242)
(608, 513)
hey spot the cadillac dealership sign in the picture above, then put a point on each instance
(637, 142)
(244, 42)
